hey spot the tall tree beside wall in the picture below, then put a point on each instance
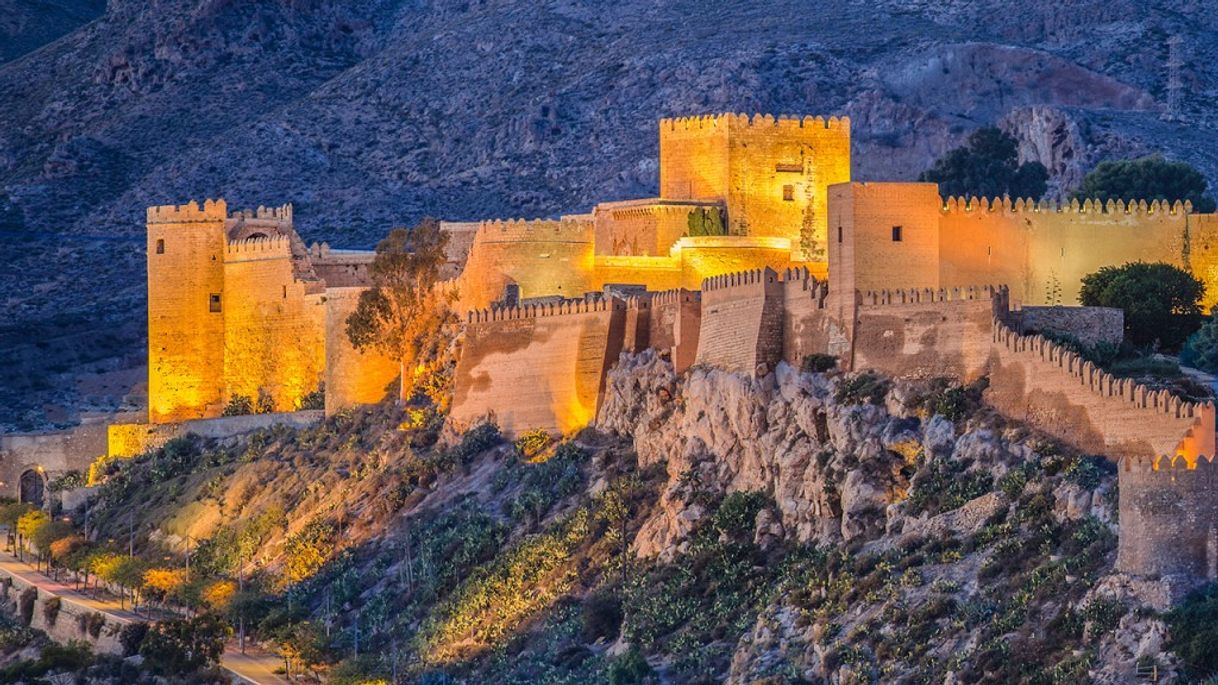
(1147, 178)
(1161, 302)
(405, 313)
(987, 166)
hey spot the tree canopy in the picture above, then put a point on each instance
(1161, 301)
(988, 166)
(404, 313)
(1146, 178)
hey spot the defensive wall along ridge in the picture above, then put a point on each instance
(537, 366)
(1168, 516)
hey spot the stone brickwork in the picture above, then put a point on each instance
(537, 367)
(742, 321)
(47, 455)
(1090, 326)
(352, 377)
(647, 227)
(236, 306)
(1168, 517)
(1040, 250)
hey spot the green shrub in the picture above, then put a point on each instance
(705, 221)
(68, 481)
(238, 405)
(601, 617)
(314, 400)
(818, 363)
(531, 443)
(863, 388)
(1161, 301)
(477, 440)
(1194, 631)
(630, 669)
(132, 636)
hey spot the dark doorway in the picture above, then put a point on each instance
(33, 488)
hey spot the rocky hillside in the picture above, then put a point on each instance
(805, 528)
(377, 113)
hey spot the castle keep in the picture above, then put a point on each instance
(758, 251)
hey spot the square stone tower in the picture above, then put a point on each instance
(185, 303)
(771, 174)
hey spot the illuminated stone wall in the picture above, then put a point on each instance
(352, 377)
(924, 333)
(669, 322)
(541, 258)
(537, 367)
(185, 337)
(1041, 251)
(274, 325)
(643, 227)
(50, 454)
(771, 174)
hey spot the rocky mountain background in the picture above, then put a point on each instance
(374, 114)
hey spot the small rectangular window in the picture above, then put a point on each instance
(213, 302)
(285, 292)
(896, 234)
(839, 234)
(788, 193)
(160, 246)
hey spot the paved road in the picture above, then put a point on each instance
(255, 667)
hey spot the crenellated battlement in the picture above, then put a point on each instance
(955, 205)
(281, 213)
(1098, 381)
(277, 246)
(534, 229)
(1170, 466)
(740, 120)
(873, 298)
(534, 311)
(662, 298)
(739, 278)
(191, 212)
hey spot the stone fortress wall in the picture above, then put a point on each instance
(537, 366)
(239, 305)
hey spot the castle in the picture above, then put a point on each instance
(760, 250)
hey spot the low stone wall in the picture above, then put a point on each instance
(53, 453)
(72, 621)
(1091, 326)
(131, 439)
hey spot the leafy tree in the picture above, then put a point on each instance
(1200, 351)
(1146, 178)
(182, 646)
(47, 533)
(403, 315)
(1161, 301)
(29, 523)
(988, 166)
(164, 583)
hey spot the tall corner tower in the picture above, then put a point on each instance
(771, 174)
(185, 310)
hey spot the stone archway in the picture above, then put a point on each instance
(32, 487)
